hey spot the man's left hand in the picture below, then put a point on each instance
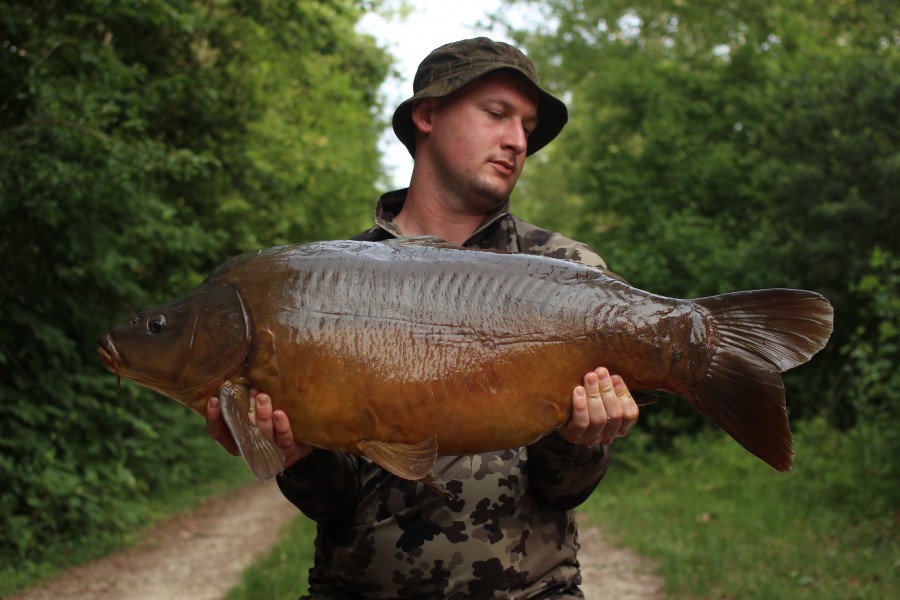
(602, 410)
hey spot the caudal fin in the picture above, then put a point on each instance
(759, 334)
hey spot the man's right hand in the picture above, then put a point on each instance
(274, 424)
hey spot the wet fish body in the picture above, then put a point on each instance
(407, 349)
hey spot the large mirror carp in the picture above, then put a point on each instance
(404, 350)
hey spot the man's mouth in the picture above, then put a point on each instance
(504, 166)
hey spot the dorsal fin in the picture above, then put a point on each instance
(425, 240)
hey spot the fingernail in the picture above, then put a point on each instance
(214, 402)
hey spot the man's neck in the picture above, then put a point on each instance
(426, 213)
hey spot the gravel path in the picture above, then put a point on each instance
(200, 555)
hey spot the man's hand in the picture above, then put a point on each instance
(273, 424)
(602, 410)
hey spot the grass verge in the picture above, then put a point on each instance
(721, 524)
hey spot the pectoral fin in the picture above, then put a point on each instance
(263, 457)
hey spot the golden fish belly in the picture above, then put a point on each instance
(508, 402)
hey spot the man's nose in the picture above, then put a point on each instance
(515, 137)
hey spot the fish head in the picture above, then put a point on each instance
(185, 349)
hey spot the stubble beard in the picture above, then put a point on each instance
(478, 193)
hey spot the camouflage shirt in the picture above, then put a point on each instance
(508, 531)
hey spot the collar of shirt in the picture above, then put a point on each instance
(390, 204)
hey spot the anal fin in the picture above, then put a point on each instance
(407, 461)
(264, 458)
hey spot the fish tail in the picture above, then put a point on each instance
(759, 335)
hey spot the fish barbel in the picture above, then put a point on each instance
(411, 348)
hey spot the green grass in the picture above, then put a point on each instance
(231, 473)
(283, 573)
(721, 524)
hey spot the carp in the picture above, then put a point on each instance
(406, 349)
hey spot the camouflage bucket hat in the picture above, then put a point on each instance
(452, 66)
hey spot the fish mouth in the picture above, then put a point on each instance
(111, 357)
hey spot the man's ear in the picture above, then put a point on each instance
(422, 113)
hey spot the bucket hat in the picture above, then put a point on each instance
(453, 65)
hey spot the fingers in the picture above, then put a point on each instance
(261, 413)
(630, 409)
(274, 425)
(602, 410)
(605, 413)
(284, 439)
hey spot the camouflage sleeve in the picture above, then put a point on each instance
(565, 474)
(324, 485)
(581, 253)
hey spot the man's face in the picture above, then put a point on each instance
(480, 136)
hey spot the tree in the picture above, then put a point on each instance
(141, 144)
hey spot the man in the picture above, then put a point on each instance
(508, 530)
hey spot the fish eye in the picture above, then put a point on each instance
(156, 324)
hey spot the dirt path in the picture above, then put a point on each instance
(610, 572)
(195, 556)
(200, 555)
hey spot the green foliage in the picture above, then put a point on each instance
(141, 144)
(715, 147)
(871, 390)
(851, 461)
